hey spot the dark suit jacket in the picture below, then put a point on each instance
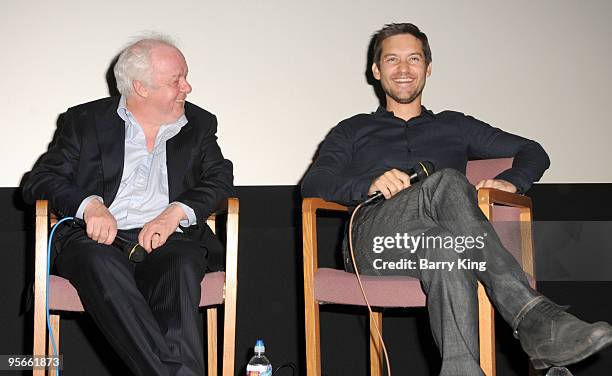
(88, 154)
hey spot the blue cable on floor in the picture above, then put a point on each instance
(57, 372)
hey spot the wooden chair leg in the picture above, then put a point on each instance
(40, 283)
(231, 288)
(55, 324)
(229, 333)
(54, 321)
(486, 324)
(211, 334)
(376, 351)
(313, 339)
(39, 345)
(40, 336)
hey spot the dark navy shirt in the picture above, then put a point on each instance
(363, 147)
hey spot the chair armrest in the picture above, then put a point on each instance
(220, 209)
(231, 206)
(41, 235)
(233, 213)
(225, 206)
(309, 235)
(493, 196)
(312, 204)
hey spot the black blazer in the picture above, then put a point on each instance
(87, 158)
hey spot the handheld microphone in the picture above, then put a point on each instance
(422, 170)
(134, 251)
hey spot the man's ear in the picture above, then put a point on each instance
(429, 69)
(375, 71)
(140, 89)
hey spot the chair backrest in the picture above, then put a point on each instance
(486, 168)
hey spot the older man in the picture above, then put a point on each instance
(146, 166)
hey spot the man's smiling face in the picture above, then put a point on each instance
(166, 96)
(402, 69)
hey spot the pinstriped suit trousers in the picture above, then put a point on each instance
(148, 311)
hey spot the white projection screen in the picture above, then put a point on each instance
(280, 74)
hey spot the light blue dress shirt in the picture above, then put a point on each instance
(143, 191)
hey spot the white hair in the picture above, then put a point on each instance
(134, 62)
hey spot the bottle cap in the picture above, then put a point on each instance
(259, 346)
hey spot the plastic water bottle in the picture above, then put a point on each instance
(259, 365)
(558, 371)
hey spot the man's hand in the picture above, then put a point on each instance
(390, 183)
(155, 233)
(502, 185)
(101, 225)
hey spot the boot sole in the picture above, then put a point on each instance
(603, 342)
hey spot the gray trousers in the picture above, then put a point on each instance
(442, 210)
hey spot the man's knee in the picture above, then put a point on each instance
(451, 182)
(453, 175)
(183, 255)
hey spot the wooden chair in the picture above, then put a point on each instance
(331, 286)
(217, 288)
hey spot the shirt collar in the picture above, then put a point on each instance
(130, 121)
(425, 113)
(122, 108)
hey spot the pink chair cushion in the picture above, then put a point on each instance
(340, 287)
(64, 297)
(486, 168)
(212, 289)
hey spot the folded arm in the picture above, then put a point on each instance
(485, 141)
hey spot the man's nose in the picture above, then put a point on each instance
(403, 66)
(185, 87)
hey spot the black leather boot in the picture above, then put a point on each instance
(553, 337)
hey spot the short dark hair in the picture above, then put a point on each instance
(390, 30)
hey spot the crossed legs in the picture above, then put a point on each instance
(444, 206)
